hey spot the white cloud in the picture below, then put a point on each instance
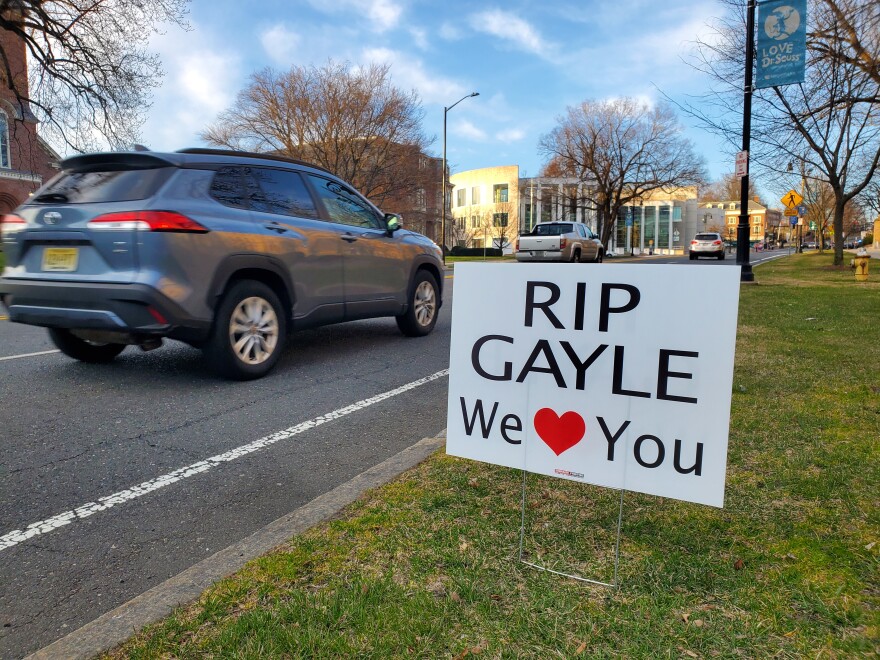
(281, 44)
(449, 32)
(383, 15)
(510, 135)
(408, 72)
(510, 27)
(201, 81)
(466, 129)
(420, 37)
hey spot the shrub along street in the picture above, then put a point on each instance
(426, 565)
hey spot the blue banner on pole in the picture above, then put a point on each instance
(782, 42)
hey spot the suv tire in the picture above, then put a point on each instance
(83, 350)
(249, 331)
(600, 255)
(421, 314)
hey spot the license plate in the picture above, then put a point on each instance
(60, 260)
(538, 253)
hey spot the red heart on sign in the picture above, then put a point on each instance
(559, 433)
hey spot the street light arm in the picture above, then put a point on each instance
(460, 100)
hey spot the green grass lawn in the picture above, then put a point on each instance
(426, 565)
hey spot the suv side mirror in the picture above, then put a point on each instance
(393, 222)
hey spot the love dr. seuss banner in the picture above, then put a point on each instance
(610, 374)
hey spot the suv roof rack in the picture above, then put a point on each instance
(249, 154)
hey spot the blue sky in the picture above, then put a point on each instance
(528, 60)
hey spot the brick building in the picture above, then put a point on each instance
(26, 161)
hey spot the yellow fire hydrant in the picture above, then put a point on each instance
(861, 265)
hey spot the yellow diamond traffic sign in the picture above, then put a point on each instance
(791, 198)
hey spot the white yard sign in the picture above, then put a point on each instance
(615, 375)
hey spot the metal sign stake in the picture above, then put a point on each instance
(522, 532)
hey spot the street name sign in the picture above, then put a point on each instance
(782, 42)
(595, 374)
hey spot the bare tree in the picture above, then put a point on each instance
(90, 75)
(727, 188)
(829, 125)
(499, 224)
(623, 150)
(351, 121)
(849, 32)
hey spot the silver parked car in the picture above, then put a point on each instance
(227, 251)
(707, 244)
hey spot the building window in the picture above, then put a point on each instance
(423, 163)
(475, 221)
(499, 219)
(499, 191)
(475, 195)
(4, 141)
(420, 199)
(459, 197)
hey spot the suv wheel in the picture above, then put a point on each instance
(248, 333)
(82, 349)
(600, 255)
(421, 314)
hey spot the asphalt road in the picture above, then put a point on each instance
(143, 431)
(74, 433)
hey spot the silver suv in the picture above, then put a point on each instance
(226, 251)
(707, 244)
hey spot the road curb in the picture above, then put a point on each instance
(116, 626)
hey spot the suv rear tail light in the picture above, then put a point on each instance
(12, 224)
(693, 242)
(146, 221)
(716, 242)
(517, 244)
(562, 242)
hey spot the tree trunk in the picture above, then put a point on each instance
(838, 230)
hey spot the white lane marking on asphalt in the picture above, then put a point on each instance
(24, 355)
(17, 536)
(770, 258)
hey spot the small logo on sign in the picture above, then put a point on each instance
(52, 218)
(559, 433)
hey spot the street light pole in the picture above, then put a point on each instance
(443, 214)
(742, 227)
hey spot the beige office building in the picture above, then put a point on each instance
(492, 205)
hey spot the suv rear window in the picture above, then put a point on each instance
(707, 237)
(103, 186)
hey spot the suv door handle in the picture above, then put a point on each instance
(274, 226)
(348, 236)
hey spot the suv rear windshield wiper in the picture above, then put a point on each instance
(51, 197)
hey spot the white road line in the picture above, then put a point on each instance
(24, 355)
(770, 258)
(17, 536)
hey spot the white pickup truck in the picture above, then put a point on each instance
(560, 241)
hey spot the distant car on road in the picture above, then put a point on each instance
(560, 241)
(226, 251)
(707, 244)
